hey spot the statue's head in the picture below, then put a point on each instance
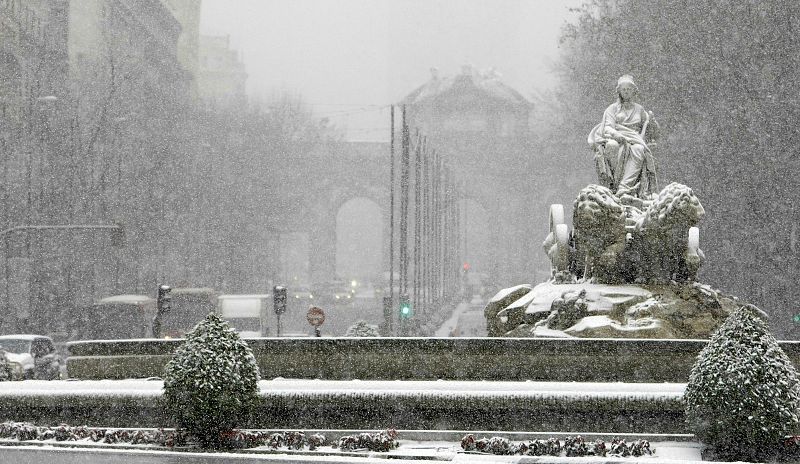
(626, 88)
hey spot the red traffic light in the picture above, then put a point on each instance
(465, 266)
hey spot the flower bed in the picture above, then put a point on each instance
(571, 447)
(384, 441)
(237, 439)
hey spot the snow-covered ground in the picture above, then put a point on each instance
(467, 320)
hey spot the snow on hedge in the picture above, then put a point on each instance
(211, 382)
(299, 387)
(743, 394)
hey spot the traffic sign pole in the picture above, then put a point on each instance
(316, 317)
(279, 296)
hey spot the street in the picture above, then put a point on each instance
(467, 320)
(338, 317)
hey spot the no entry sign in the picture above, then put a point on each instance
(315, 316)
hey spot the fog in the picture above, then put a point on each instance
(351, 58)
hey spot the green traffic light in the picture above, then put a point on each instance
(796, 318)
(405, 310)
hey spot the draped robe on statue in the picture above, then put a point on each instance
(627, 167)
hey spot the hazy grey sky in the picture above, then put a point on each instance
(348, 58)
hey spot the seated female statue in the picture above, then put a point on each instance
(622, 143)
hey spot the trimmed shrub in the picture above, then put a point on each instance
(362, 329)
(211, 382)
(743, 396)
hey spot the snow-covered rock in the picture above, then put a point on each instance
(688, 310)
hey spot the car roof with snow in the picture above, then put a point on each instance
(243, 296)
(125, 299)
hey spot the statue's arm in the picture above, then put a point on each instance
(609, 125)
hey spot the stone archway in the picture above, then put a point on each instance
(360, 173)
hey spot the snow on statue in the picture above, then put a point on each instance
(628, 266)
(622, 143)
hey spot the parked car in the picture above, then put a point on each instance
(31, 357)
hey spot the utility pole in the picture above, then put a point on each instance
(405, 169)
(388, 318)
(417, 208)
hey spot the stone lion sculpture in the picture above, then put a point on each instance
(653, 241)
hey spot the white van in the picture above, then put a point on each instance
(245, 313)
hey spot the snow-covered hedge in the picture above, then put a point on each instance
(211, 383)
(642, 360)
(743, 396)
(362, 329)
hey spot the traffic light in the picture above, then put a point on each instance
(164, 300)
(279, 299)
(163, 304)
(406, 310)
(796, 318)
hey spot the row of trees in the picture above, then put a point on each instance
(201, 192)
(720, 77)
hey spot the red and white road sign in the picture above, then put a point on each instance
(315, 316)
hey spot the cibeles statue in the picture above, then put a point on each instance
(627, 264)
(624, 230)
(623, 144)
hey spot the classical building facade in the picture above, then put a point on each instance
(481, 126)
(187, 12)
(135, 40)
(222, 77)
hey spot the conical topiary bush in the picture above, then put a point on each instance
(211, 382)
(743, 395)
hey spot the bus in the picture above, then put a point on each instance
(129, 316)
(118, 317)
